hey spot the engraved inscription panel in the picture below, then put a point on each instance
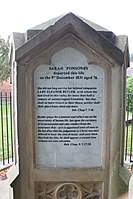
(69, 96)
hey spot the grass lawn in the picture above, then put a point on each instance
(5, 132)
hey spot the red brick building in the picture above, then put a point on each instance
(5, 87)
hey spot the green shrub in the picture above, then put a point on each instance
(129, 91)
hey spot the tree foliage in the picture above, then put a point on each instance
(5, 69)
(129, 91)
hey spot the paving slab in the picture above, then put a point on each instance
(4, 189)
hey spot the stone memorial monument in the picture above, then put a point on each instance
(69, 84)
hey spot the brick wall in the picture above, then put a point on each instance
(5, 87)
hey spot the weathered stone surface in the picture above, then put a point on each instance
(70, 189)
(98, 60)
(76, 26)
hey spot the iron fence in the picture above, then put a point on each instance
(129, 128)
(6, 134)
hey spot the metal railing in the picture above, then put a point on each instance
(129, 128)
(6, 134)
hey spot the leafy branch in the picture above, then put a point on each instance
(5, 69)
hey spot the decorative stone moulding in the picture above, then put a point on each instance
(46, 190)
